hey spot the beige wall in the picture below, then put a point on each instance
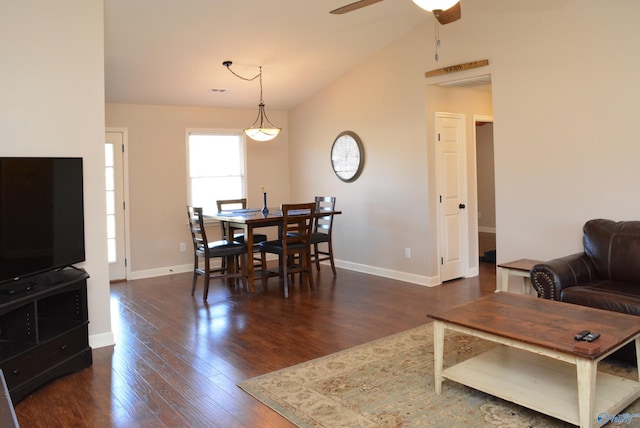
(158, 176)
(565, 136)
(392, 205)
(386, 210)
(52, 104)
(565, 106)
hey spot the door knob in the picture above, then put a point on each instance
(462, 206)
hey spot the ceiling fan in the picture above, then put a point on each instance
(442, 9)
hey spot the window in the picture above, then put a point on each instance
(111, 202)
(216, 168)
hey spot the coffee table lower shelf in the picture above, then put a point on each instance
(541, 383)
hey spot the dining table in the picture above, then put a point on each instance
(249, 219)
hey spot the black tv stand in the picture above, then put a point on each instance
(44, 331)
(53, 277)
(21, 287)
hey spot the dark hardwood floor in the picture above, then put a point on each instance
(177, 359)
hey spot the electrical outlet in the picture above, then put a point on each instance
(183, 247)
(407, 252)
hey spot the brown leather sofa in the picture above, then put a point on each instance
(606, 275)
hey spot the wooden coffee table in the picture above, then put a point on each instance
(538, 365)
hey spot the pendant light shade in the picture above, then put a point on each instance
(262, 129)
(431, 5)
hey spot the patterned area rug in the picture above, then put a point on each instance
(389, 383)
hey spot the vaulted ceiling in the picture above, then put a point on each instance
(171, 52)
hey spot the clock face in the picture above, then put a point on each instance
(347, 156)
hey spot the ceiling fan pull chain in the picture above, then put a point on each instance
(437, 30)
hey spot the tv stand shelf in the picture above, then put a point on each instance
(44, 331)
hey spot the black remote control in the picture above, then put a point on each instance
(581, 335)
(591, 337)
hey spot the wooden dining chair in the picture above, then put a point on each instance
(235, 204)
(223, 249)
(321, 242)
(225, 231)
(293, 248)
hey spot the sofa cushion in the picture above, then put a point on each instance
(614, 249)
(615, 296)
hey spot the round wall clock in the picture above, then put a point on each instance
(347, 156)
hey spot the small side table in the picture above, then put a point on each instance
(520, 268)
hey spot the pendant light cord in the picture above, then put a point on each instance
(248, 79)
(258, 131)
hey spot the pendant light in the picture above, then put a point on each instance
(262, 129)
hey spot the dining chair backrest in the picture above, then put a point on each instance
(229, 204)
(297, 222)
(293, 247)
(322, 231)
(196, 225)
(323, 224)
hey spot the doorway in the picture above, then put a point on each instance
(472, 98)
(485, 183)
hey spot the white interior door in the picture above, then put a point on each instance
(114, 174)
(452, 195)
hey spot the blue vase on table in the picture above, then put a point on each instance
(265, 210)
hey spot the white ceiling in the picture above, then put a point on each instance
(171, 51)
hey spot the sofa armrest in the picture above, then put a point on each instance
(551, 277)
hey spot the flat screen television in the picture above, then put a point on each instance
(41, 215)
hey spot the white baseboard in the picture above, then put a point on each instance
(473, 271)
(392, 274)
(372, 270)
(101, 340)
(152, 273)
